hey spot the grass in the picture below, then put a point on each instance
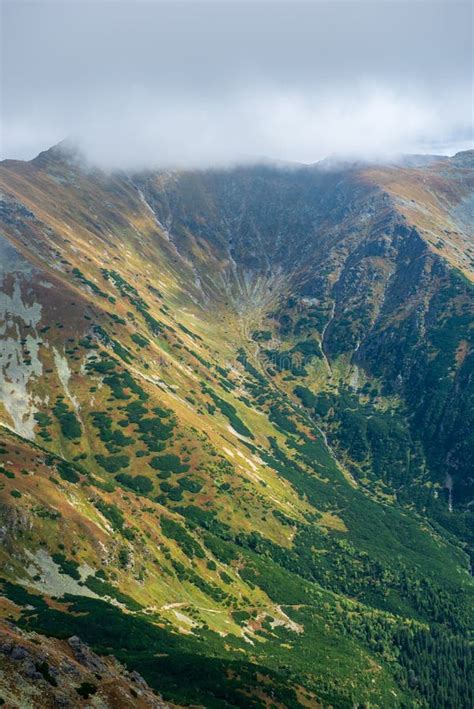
(157, 491)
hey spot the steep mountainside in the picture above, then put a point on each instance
(236, 435)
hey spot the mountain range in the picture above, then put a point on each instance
(236, 434)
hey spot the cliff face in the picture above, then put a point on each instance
(236, 416)
(421, 346)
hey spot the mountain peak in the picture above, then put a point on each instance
(465, 157)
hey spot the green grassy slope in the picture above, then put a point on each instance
(196, 474)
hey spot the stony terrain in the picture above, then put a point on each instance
(36, 671)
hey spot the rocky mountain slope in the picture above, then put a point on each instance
(38, 671)
(236, 427)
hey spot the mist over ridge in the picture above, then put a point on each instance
(195, 84)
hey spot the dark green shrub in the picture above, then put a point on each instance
(86, 689)
(139, 483)
(67, 471)
(169, 462)
(113, 463)
(67, 566)
(68, 421)
(176, 531)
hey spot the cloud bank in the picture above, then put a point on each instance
(144, 84)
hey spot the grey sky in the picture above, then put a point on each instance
(144, 83)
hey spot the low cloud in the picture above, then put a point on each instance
(197, 84)
(140, 130)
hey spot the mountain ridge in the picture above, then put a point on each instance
(251, 390)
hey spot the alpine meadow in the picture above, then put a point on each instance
(236, 394)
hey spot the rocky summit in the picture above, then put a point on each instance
(236, 434)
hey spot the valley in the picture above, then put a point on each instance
(236, 430)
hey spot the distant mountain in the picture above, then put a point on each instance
(236, 441)
(410, 160)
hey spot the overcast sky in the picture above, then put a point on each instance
(200, 83)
